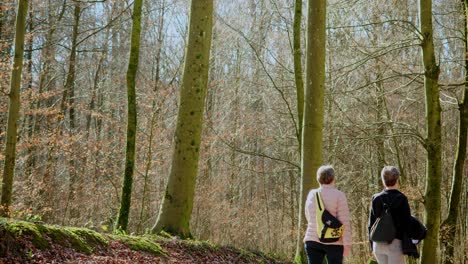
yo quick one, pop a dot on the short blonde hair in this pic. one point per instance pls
(325, 174)
(390, 175)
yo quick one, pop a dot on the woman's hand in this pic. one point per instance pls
(346, 250)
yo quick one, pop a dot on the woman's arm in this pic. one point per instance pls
(344, 217)
(372, 218)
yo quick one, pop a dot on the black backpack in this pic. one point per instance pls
(383, 230)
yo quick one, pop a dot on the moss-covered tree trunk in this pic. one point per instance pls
(13, 109)
(312, 132)
(450, 223)
(433, 140)
(124, 211)
(299, 81)
(176, 208)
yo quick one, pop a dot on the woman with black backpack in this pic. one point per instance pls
(386, 240)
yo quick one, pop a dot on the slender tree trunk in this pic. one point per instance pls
(297, 56)
(400, 162)
(380, 142)
(13, 109)
(176, 209)
(124, 211)
(149, 158)
(450, 224)
(31, 150)
(433, 141)
(155, 115)
(312, 132)
(94, 93)
(298, 68)
(71, 76)
(69, 96)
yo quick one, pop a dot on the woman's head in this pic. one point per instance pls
(325, 174)
(390, 175)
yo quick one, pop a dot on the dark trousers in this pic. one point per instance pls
(316, 252)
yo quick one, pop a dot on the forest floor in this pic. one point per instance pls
(28, 242)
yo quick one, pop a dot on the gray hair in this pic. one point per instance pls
(390, 175)
(325, 174)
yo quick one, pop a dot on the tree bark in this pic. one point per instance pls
(298, 68)
(69, 96)
(176, 209)
(31, 150)
(13, 109)
(450, 224)
(124, 211)
(433, 140)
(312, 132)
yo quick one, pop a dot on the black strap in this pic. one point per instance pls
(318, 201)
(387, 205)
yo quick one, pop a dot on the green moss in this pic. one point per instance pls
(200, 246)
(90, 237)
(22, 228)
(66, 238)
(88, 241)
(164, 234)
(141, 243)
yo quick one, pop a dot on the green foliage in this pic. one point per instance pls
(298, 259)
(119, 232)
(33, 218)
(26, 215)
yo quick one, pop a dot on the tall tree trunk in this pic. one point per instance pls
(47, 83)
(298, 68)
(297, 56)
(433, 140)
(124, 211)
(69, 96)
(174, 216)
(450, 224)
(13, 109)
(154, 117)
(31, 153)
(312, 132)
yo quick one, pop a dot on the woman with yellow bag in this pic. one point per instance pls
(328, 231)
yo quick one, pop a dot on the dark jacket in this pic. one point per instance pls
(408, 247)
(399, 208)
(417, 231)
(400, 211)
